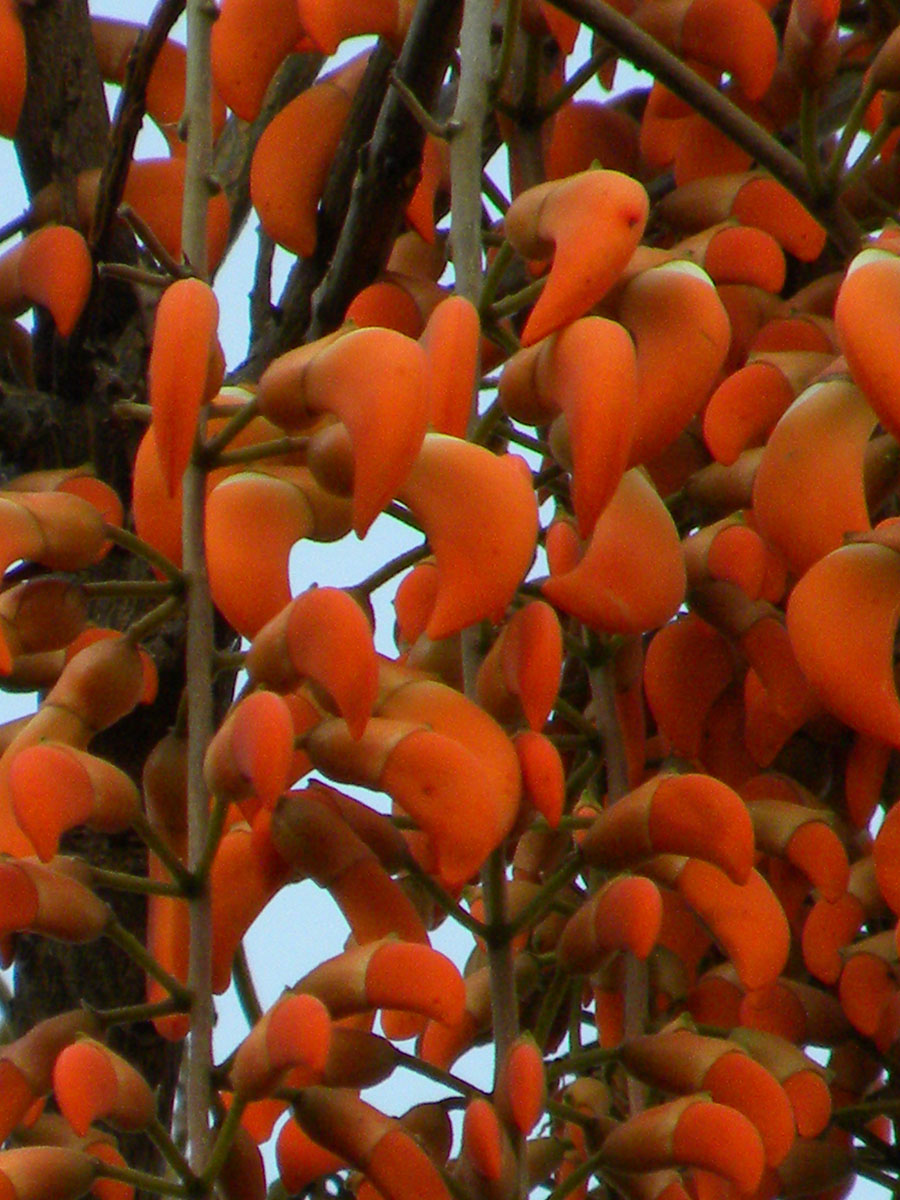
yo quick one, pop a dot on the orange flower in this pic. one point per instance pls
(593, 222)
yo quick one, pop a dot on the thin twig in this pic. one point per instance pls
(390, 168)
(200, 640)
(128, 119)
(644, 52)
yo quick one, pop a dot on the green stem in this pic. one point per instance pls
(244, 987)
(576, 81)
(545, 898)
(875, 142)
(510, 29)
(128, 1014)
(215, 823)
(576, 719)
(200, 640)
(121, 881)
(493, 194)
(516, 301)
(503, 337)
(253, 454)
(126, 587)
(492, 279)
(852, 126)
(144, 626)
(565, 1112)
(526, 441)
(412, 1063)
(582, 1172)
(486, 423)
(140, 548)
(636, 985)
(224, 1141)
(553, 998)
(581, 1062)
(157, 845)
(399, 513)
(162, 1140)
(389, 570)
(142, 1180)
(580, 778)
(504, 1003)
(135, 949)
(809, 141)
(469, 115)
(448, 904)
(238, 421)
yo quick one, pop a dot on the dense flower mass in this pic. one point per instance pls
(633, 386)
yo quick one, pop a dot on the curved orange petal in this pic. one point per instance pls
(746, 919)
(295, 1032)
(681, 333)
(252, 751)
(589, 369)
(863, 312)
(828, 928)
(249, 41)
(32, 1172)
(484, 1145)
(588, 131)
(301, 1160)
(389, 974)
(686, 649)
(842, 617)
(521, 672)
(386, 303)
(246, 873)
(632, 575)
(690, 1132)
(803, 836)
(864, 776)
(439, 782)
(817, 450)
(323, 636)
(675, 814)
(249, 579)
(479, 513)
(318, 843)
(13, 68)
(684, 1061)
(293, 157)
(42, 900)
(187, 317)
(55, 270)
(593, 221)
(330, 22)
(451, 340)
(746, 406)
(626, 914)
(91, 1081)
(397, 1165)
(736, 36)
(55, 788)
(114, 41)
(521, 1089)
(543, 775)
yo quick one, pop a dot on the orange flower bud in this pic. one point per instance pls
(90, 1081)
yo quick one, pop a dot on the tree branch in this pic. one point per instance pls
(644, 52)
(128, 119)
(390, 168)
